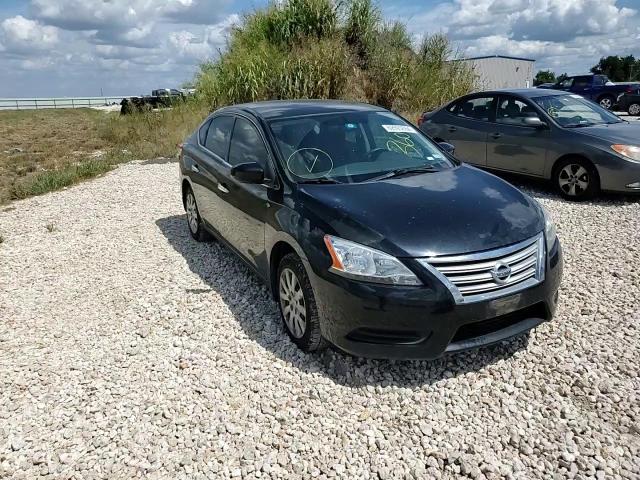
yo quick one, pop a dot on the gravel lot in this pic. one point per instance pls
(127, 349)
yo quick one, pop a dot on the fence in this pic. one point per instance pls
(62, 102)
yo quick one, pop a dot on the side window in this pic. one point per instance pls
(598, 81)
(512, 111)
(202, 133)
(566, 83)
(218, 135)
(247, 145)
(478, 108)
(581, 82)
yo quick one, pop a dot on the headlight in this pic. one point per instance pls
(550, 232)
(632, 152)
(363, 263)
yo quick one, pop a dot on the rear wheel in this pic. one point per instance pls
(606, 102)
(576, 179)
(194, 221)
(298, 305)
(634, 109)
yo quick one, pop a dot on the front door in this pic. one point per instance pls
(247, 205)
(512, 145)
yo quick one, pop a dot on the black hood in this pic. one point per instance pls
(454, 211)
(626, 133)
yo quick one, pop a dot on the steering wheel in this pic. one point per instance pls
(373, 154)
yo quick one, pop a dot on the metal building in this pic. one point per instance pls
(498, 71)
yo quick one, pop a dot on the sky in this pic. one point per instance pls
(129, 47)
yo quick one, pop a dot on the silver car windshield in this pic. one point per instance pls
(574, 111)
(353, 147)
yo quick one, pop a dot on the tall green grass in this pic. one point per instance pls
(323, 49)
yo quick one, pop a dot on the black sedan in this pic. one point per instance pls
(581, 147)
(370, 236)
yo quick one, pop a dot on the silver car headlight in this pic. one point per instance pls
(363, 263)
(632, 152)
(550, 231)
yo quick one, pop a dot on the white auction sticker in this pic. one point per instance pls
(399, 129)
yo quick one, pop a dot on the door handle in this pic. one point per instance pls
(452, 129)
(222, 188)
(495, 136)
(194, 168)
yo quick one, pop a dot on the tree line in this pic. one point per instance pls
(617, 68)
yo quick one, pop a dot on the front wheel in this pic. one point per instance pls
(634, 109)
(298, 305)
(606, 102)
(576, 179)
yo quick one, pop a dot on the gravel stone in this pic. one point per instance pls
(129, 350)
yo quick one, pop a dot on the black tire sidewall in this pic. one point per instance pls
(312, 339)
(594, 179)
(200, 234)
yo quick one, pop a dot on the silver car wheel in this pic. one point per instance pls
(573, 179)
(634, 109)
(606, 103)
(192, 213)
(292, 303)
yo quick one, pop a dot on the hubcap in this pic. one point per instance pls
(634, 109)
(605, 103)
(292, 303)
(192, 213)
(573, 179)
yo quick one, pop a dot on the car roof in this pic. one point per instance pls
(525, 92)
(277, 109)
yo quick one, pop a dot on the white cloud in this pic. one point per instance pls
(566, 34)
(19, 35)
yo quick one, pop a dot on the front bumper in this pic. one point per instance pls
(619, 175)
(378, 321)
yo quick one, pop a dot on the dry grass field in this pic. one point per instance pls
(45, 150)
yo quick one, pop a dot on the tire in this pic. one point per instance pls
(634, 109)
(296, 298)
(606, 101)
(194, 221)
(576, 179)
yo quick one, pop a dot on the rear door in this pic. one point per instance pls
(466, 124)
(209, 169)
(511, 144)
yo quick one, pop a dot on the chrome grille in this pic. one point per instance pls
(481, 276)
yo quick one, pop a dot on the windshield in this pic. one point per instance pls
(574, 111)
(353, 147)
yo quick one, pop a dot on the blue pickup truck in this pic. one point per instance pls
(597, 88)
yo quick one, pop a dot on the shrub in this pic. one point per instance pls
(320, 49)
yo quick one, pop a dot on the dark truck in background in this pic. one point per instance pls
(160, 98)
(597, 88)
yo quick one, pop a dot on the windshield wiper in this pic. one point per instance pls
(404, 171)
(320, 180)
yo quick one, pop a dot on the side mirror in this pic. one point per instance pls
(534, 122)
(250, 172)
(447, 147)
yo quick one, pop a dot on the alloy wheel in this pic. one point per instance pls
(573, 179)
(634, 109)
(292, 303)
(606, 103)
(192, 213)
